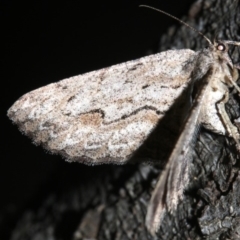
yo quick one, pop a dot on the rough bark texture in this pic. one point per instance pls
(113, 204)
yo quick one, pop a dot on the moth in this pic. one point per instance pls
(105, 116)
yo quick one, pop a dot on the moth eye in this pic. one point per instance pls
(221, 47)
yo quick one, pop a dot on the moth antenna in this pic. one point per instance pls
(179, 20)
(232, 42)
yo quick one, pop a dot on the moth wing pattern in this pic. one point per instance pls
(105, 115)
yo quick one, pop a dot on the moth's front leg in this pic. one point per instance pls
(231, 129)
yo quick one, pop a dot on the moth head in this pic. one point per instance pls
(220, 46)
(220, 50)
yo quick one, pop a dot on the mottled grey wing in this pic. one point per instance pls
(170, 186)
(103, 116)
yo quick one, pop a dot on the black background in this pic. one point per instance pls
(46, 41)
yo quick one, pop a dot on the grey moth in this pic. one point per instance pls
(105, 116)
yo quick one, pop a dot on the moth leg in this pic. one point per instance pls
(237, 66)
(234, 78)
(231, 129)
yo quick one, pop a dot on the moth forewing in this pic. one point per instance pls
(170, 187)
(104, 116)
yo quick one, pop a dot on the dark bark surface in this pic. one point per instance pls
(110, 202)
